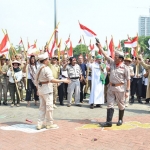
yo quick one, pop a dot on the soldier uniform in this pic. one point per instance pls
(3, 83)
(116, 90)
(45, 90)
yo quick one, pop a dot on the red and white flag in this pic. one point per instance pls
(68, 40)
(111, 48)
(5, 45)
(132, 43)
(21, 43)
(87, 31)
(32, 49)
(70, 51)
(52, 51)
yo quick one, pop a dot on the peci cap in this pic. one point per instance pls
(43, 56)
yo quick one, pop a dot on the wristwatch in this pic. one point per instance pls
(127, 90)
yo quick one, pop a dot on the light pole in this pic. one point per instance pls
(55, 20)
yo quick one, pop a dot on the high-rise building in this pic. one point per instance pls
(144, 25)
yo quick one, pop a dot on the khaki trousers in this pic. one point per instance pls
(113, 96)
(74, 86)
(3, 86)
(46, 109)
(55, 92)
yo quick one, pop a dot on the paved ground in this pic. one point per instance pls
(78, 129)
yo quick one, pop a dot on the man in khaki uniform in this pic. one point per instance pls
(127, 62)
(43, 82)
(117, 91)
(3, 79)
(56, 73)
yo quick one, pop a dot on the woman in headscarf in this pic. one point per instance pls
(31, 69)
(14, 79)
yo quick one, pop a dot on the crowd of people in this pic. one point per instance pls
(105, 79)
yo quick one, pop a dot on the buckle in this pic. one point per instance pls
(112, 84)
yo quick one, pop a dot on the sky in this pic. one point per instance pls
(34, 19)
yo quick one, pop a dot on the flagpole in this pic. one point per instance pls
(81, 44)
(59, 51)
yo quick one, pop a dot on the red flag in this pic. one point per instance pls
(91, 47)
(87, 31)
(111, 47)
(32, 49)
(67, 41)
(58, 45)
(54, 47)
(5, 45)
(20, 42)
(70, 52)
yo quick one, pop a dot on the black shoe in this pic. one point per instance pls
(132, 99)
(99, 105)
(140, 101)
(108, 123)
(92, 106)
(4, 103)
(79, 105)
(121, 114)
(84, 96)
(62, 104)
(0, 103)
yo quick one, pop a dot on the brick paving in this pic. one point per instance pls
(71, 135)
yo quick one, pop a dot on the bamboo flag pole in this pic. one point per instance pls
(59, 51)
(81, 43)
(52, 35)
(13, 74)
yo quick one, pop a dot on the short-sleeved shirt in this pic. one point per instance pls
(73, 71)
(118, 75)
(44, 76)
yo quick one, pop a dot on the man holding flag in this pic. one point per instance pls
(117, 91)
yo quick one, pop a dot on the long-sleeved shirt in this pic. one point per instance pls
(18, 76)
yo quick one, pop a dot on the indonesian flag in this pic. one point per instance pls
(52, 51)
(68, 40)
(21, 43)
(132, 43)
(87, 31)
(32, 49)
(5, 45)
(111, 48)
(70, 52)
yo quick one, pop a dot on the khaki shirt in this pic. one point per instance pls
(118, 75)
(44, 76)
(4, 68)
(55, 70)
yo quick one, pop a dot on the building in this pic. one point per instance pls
(144, 25)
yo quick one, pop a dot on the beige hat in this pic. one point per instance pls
(119, 53)
(16, 62)
(43, 56)
(128, 59)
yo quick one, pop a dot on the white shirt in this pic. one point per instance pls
(145, 79)
(34, 68)
(18, 76)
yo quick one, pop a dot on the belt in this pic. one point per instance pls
(45, 82)
(75, 78)
(118, 84)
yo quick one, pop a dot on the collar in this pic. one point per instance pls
(117, 65)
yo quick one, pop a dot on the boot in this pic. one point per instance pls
(139, 100)
(108, 122)
(132, 99)
(121, 113)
